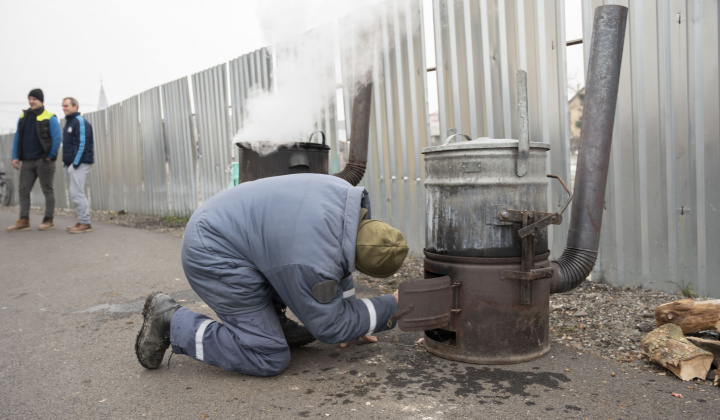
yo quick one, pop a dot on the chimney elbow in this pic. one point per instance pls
(572, 269)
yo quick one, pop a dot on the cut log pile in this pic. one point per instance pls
(678, 343)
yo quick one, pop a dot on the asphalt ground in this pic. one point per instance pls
(70, 309)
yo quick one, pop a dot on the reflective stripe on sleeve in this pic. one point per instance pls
(373, 315)
(349, 293)
(81, 146)
(199, 351)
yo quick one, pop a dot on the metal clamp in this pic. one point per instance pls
(548, 220)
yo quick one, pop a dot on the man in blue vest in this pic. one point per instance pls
(35, 147)
(292, 240)
(77, 160)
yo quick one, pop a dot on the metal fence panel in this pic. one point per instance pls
(479, 45)
(399, 118)
(661, 230)
(249, 72)
(99, 174)
(182, 173)
(116, 183)
(126, 157)
(6, 144)
(213, 126)
(153, 154)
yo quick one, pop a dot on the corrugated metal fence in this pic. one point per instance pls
(155, 156)
(662, 223)
(479, 46)
(167, 149)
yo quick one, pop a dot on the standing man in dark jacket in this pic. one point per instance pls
(293, 240)
(77, 160)
(36, 143)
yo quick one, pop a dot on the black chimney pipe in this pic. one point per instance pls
(603, 77)
(359, 134)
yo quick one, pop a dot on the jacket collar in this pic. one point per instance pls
(35, 112)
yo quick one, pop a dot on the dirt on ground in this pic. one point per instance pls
(172, 225)
(595, 318)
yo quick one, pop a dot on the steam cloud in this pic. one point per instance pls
(305, 40)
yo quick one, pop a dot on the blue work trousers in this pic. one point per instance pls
(251, 344)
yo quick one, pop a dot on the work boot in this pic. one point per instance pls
(46, 224)
(22, 223)
(80, 228)
(70, 227)
(154, 336)
(296, 335)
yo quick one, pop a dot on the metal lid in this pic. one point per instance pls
(265, 146)
(271, 145)
(479, 143)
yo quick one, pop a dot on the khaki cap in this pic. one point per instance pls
(380, 249)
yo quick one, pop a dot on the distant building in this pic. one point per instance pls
(434, 121)
(575, 106)
(102, 102)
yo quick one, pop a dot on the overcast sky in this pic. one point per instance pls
(67, 47)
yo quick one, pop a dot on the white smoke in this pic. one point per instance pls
(305, 35)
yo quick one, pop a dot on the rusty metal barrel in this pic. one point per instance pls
(293, 158)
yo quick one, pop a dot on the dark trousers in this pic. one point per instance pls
(30, 170)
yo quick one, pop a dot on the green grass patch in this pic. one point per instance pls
(175, 219)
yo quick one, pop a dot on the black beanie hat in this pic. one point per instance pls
(37, 94)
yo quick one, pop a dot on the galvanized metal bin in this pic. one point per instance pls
(467, 183)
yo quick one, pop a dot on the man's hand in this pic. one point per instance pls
(15, 163)
(368, 338)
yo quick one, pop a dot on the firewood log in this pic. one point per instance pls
(690, 314)
(668, 347)
(713, 346)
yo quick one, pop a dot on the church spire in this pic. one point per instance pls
(102, 102)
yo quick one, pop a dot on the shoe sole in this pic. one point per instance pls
(51, 227)
(17, 230)
(146, 309)
(80, 231)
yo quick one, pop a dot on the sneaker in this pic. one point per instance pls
(296, 335)
(22, 223)
(70, 227)
(46, 224)
(80, 228)
(154, 336)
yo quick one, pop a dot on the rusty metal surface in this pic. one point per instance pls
(544, 221)
(292, 159)
(493, 326)
(425, 304)
(357, 159)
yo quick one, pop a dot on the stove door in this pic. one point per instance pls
(425, 304)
